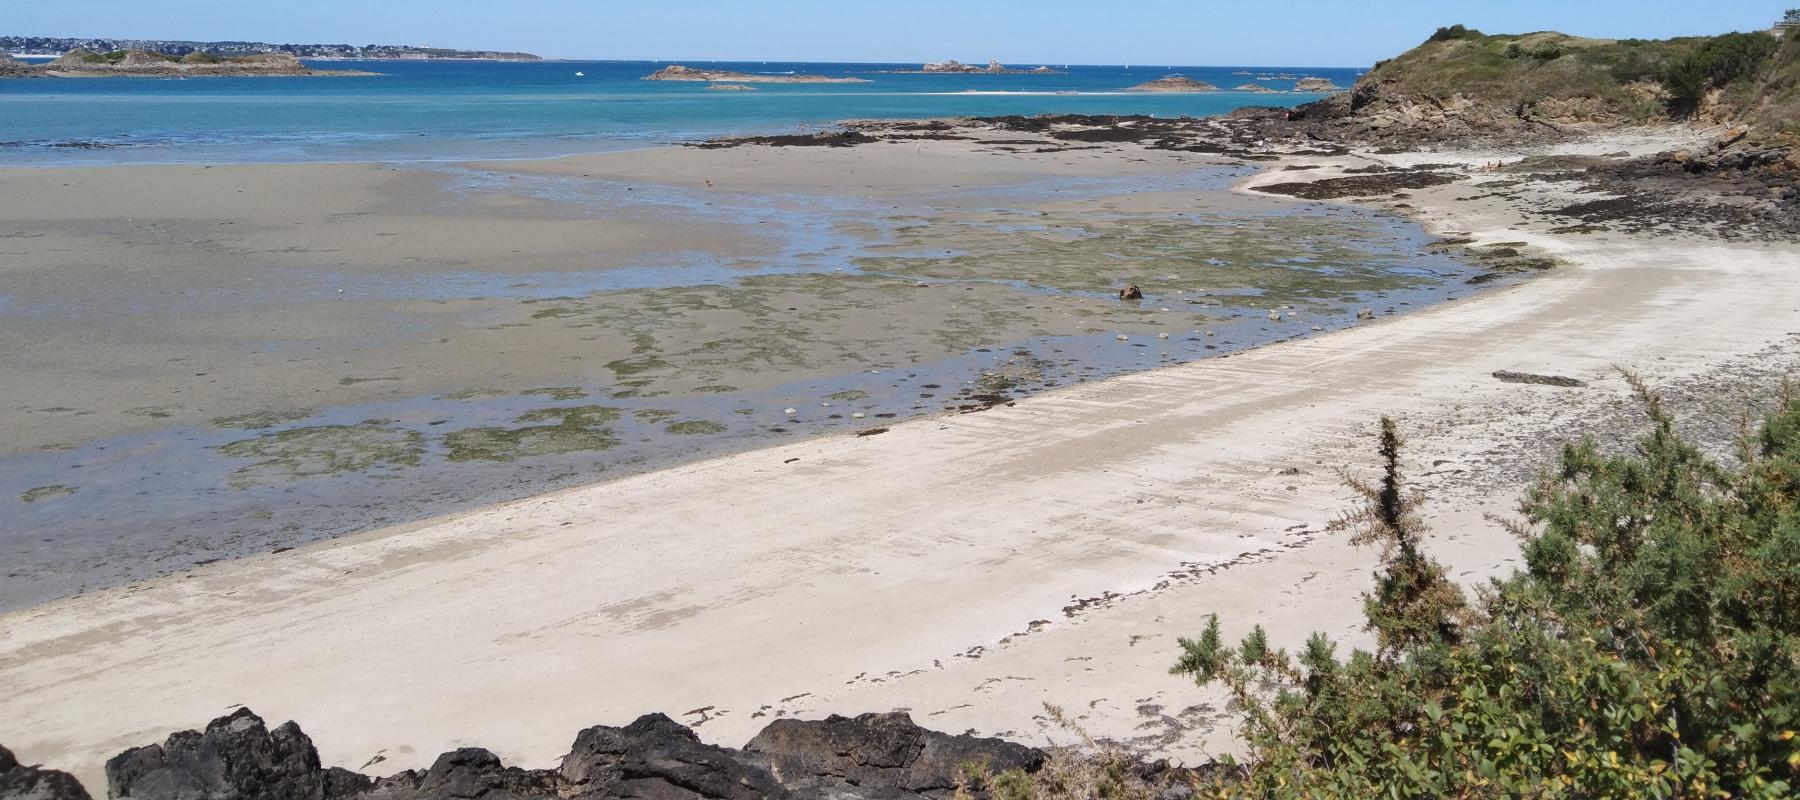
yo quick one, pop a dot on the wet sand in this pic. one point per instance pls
(965, 567)
(215, 362)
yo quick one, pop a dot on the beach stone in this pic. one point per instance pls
(656, 757)
(20, 782)
(469, 772)
(1365, 314)
(881, 752)
(1131, 292)
(236, 757)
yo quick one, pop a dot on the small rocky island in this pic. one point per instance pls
(1174, 84)
(954, 67)
(1256, 88)
(11, 67)
(1317, 86)
(677, 72)
(145, 63)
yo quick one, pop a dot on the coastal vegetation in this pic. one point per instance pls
(1650, 647)
(1556, 77)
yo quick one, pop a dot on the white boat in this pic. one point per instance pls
(580, 74)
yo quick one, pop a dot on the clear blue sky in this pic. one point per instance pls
(1194, 32)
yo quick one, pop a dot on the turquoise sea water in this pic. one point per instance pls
(449, 110)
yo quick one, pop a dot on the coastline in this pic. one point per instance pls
(319, 361)
(1048, 551)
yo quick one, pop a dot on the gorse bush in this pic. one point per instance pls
(1715, 65)
(1650, 647)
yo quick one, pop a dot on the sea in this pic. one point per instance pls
(459, 110)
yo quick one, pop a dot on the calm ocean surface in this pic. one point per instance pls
(458, 110)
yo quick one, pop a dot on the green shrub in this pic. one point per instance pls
(1542, 51)
(1454, 33)
(1650, 647)
(1715, 65)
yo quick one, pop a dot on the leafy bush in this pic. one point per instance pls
(1454, 33)
(1650, 647)
(1715, 65)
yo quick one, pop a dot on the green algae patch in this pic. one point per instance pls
(299, 453)
(45, 493)
(654, 415)
(258, 420)
(476, 394)
(571, 430)
(1280, 258)
(561, 394)
(694, 427)
(848, 395)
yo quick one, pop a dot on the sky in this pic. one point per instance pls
(1316, 33)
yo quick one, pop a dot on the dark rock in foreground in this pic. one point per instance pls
(20, 782)
(237, 757)
(881, 751)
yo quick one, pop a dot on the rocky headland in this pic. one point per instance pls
(10, 66)
(144, 63)
(1174, 84)
(1462, 89)
(678, 72)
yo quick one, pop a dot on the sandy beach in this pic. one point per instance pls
(965, 567)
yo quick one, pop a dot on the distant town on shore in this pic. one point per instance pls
(56, 46)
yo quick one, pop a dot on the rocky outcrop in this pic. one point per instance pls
(658, 757)
(21, 782)
(886, 753)
(1254, 87)
(12, 67)
(954, 67)
(871, 757)
(678, 72)
(235, 757)
(1174, 84)
(1316, 86)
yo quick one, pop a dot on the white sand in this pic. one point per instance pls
(857, 574)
